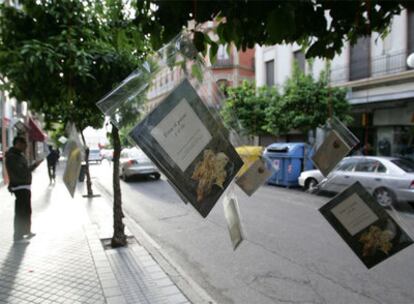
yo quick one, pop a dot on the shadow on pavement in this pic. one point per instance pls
(141, 178)
(10, 268)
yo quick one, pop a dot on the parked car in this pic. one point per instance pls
(95, 155)
(310, 179)
(388, 179)
(107, 154)
(134, 162)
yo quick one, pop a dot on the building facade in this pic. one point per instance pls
(16, 119)
(232, 66)
(230, 69)
(380, 85)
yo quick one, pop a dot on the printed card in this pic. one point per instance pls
(331, 152)
(255, 176)
(365, 226)
(188, 144)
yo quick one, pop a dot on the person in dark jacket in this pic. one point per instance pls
(20, 176)
(52, 158)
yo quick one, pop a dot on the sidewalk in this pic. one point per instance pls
(66, 261)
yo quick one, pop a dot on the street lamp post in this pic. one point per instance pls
(410, 60)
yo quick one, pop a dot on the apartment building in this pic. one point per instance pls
(230, 69)
(16, 119)
(380, 85)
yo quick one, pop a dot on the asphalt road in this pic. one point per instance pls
(290, 255)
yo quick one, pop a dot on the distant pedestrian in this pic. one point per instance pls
(20, 175)
(52, 159)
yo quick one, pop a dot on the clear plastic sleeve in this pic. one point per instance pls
(74, 154)
(339, 141)
(233, 219)
(365, 226)
(72, 136)
(170, 106)
(330, 156)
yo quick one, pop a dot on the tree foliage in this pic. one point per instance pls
(302, 103)
(321, 25)
(62, 56)
(245, 111)
(305, 104)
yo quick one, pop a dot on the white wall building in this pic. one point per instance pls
(380, 85)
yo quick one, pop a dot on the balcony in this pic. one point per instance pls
(384, 65)
(223, 63)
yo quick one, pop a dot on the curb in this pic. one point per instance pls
(184, 282)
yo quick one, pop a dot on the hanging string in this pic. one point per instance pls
(330, 107)
(195, 10)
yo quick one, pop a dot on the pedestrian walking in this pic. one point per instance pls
(20, 176)
(52, 159)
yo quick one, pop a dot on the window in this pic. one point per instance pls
(299, 58)
(370, 166)
(405, 164)
(365, 166)
(222, 52)
(410, 32)
(360, 59)
(346, 165)
(270, 72)
(381, 168)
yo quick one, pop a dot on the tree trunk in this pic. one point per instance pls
(119, 237)
(88, 175)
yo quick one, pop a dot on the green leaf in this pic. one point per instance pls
(196, 71)
(213, 52)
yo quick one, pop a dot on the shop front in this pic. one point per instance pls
(385, 128)
(37, 138)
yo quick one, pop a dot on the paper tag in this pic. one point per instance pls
(231, 213)
(255, 176)
(330, 153)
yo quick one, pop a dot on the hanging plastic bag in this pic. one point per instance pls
(365, 226)
(232, 215)
(337, 144)
(74, 154)
(169, 106)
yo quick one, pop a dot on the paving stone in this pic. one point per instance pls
(66, 263)
(116, 300)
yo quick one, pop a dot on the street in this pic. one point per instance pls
(290, 254)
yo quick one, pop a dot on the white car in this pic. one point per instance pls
(107, 154)
(388, 179)
(134, 162)
(95, 156)
(310, 179)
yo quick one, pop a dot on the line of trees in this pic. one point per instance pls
(62, 56)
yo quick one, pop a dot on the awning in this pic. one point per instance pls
(376, 98)
(35, 132)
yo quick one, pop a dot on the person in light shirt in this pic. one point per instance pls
(20, 176)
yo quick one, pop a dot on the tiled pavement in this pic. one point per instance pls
(66, 262)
